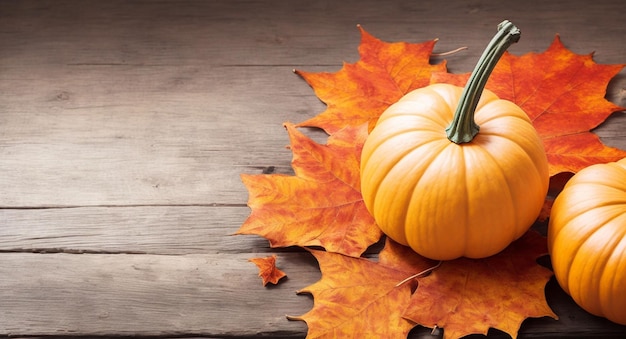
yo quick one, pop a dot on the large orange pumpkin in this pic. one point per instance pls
(587, 239)
(435, 181)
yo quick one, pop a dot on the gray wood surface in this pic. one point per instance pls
(124, 127)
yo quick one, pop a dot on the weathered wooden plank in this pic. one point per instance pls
(305, 33)
(139, 229)
(119, 294)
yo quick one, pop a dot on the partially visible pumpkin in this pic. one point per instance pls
(468, 192)
(587, 239)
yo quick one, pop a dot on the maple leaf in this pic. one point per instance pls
(267, 269)
(467, 296)
(564, 95)
(360, 92)
(322, 204)
(360, 298)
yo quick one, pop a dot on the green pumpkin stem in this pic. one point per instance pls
(463, 127)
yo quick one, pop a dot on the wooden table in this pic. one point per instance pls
(124, 127)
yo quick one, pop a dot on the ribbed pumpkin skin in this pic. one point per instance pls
(448, 200)
(587, 239)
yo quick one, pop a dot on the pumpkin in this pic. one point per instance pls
(587, 239)
(453, 171)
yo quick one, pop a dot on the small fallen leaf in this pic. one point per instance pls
(466, 296)
(267, 269)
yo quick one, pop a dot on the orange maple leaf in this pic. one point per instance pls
(322, 204)
(267, 269)
(360, 92)
(360, 298)
(563, 94)
(466, 296)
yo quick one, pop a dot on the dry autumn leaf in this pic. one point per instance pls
(360, 92)
(467, 296)
(322, 204)
(563, 94)
(267, 269)
(360, 298)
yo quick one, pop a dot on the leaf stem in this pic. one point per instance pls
(454, 51)
(417, 275)
(463, 127)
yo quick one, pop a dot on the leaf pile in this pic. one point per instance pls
(321, 205)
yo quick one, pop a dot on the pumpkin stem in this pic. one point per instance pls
(463, 127)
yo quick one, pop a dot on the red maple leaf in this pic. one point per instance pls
(466, 296)
(563, 94)
(360, 92)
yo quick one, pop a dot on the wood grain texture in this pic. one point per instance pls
(166, 230)
(154, 295)
(124, 127)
